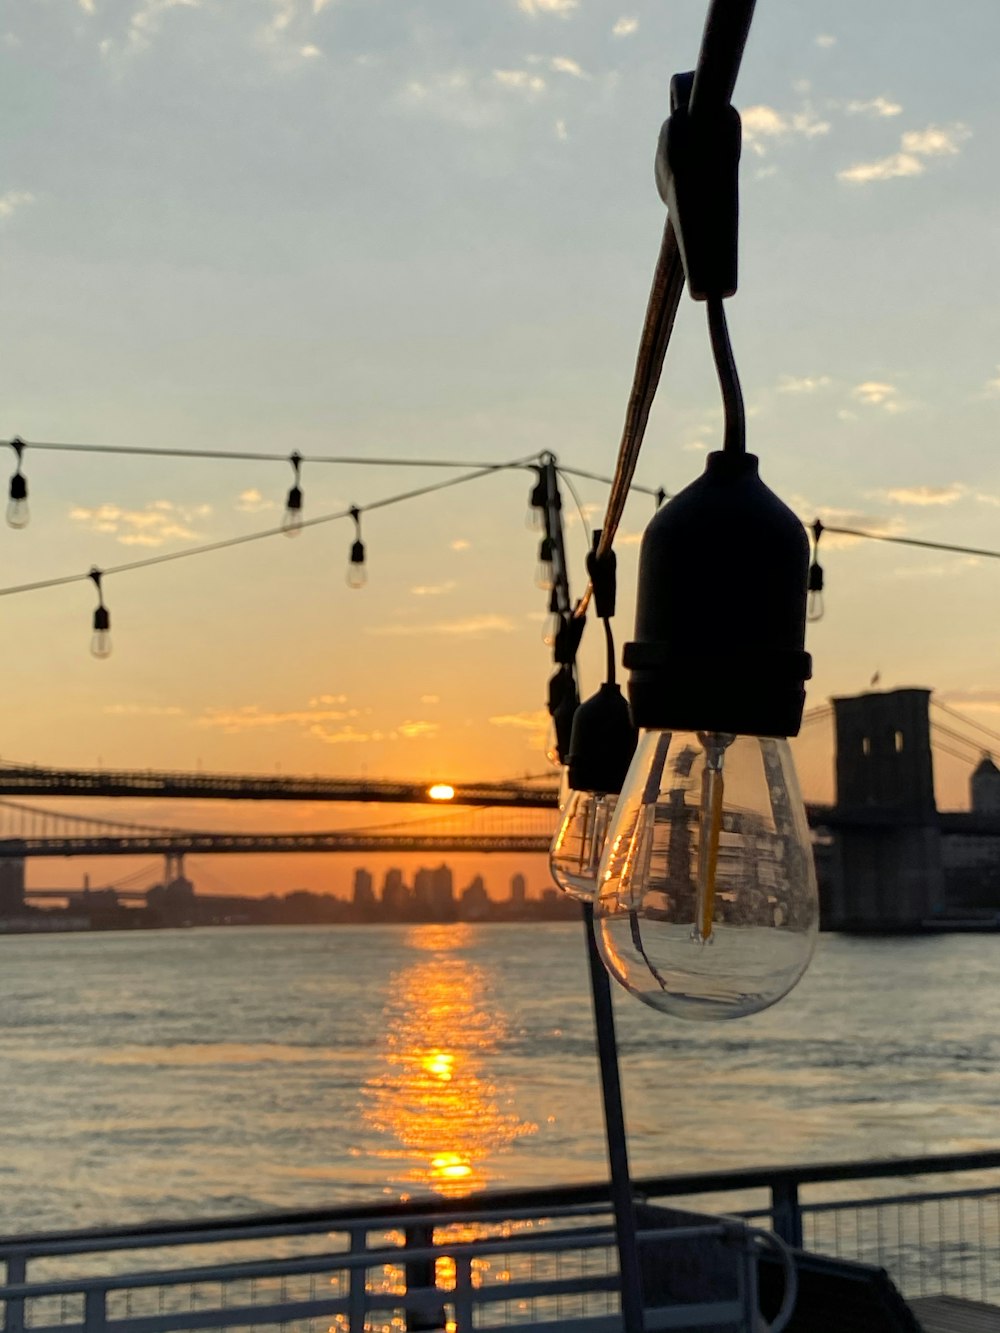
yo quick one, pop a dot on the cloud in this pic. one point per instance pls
(875, 106)
(520, 80)
(914, 147)
(878, 524)
(625, 27)
(252, 717)
(764, 125)
(471, 626)
(252, 502)
(926, 495)
(562, 134)
(826, 40)
(88, 6)
(993, 386)
(143, 710)
(804, 384)
(351, 735)
(147, 21)
(460, 544)
(566, 65)
(536, 7)
(411, 731)
(432, 589)
(983, 699)
(12, 201)
(319, 699)
(159, 522)
(875, 394)
(536, 721)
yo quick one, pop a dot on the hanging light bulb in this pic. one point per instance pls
(100, 642)
(815, 607)
(544, 573)
(17, 505)
(291, 520)
(357, 572)
(602, 743)
(564, 699)
(537, 501)
(707, 902)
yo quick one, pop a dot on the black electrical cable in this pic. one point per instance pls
(913, 541)
(735, 436)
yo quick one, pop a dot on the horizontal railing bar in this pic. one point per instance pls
(534, 1202)
(887, 1200)
(550, 1242)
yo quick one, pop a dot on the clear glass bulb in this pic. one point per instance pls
(291, 519)
(575, 854)
(357, 574)
(544, 575)
(17, 505)
(707, 900)
(100, 643)
(814, 606)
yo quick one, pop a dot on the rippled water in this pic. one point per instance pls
(176, 1073)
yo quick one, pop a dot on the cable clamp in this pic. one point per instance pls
(697, 175)
(602, 571)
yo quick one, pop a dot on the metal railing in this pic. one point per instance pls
(531, 1259)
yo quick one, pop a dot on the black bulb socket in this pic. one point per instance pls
(602, 742)
(721, 609)
(102, 619)
(18, 487)
(294, 501)
(358, 553)
(815, 577)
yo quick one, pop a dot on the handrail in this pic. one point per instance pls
(486, 1206)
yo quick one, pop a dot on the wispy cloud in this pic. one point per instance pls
(252, 717)
(12, 201)
(764, 126)
(563, 8)
(625, 27)
(161, 521)
(535, 722)
(926, 495)
(993, 386)
(471, 626)
(352, 735)
(875, 106)
(143, 710)
(826, 40)
(320, 699)
(430, 698)
(146, 24)
(803, 383)
(566, 65)
(519, 80)
(874, 393)
(881, 525)
(252, 502)
(915, 146)
(432, 589)
(460, 544)
(562, 133)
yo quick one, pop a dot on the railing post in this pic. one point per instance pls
(786, 1215)
(17, 1270)
(357, 1284)
(421, 1273)
(95, 1310)
(463, 1293)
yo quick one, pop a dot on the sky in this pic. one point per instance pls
(427, 230)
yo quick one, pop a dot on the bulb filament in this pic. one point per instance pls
(712, 791)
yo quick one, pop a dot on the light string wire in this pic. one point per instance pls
(245, 538)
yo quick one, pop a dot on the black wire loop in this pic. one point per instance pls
(735, 437)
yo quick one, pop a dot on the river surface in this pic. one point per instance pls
(176, 1073)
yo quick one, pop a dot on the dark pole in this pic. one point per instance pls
(630, 1273)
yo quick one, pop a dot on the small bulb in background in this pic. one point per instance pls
(357, 571)
(291, 519)
(18, 513)
(707, 903)
(100, 641)
(544, 573)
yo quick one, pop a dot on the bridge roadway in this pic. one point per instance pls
(204, 844)
(25, 780)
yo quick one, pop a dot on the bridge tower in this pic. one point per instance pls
(11, 885)
(887, 866)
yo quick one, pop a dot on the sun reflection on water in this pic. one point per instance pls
(436, 1100)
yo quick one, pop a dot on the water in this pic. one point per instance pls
(181, 1073)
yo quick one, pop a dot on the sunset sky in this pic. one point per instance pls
(427, 230)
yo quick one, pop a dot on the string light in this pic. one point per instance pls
(814, 605)
(291, 523)
(543, 572)
(100, 642)
(538, 500)
(357, 573)
(17, 504)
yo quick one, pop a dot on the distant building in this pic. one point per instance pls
(985, 787)
(518, 890)
(395, 894)
(434, 892)
(475, 903)
(363, 897)
(11, 885)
